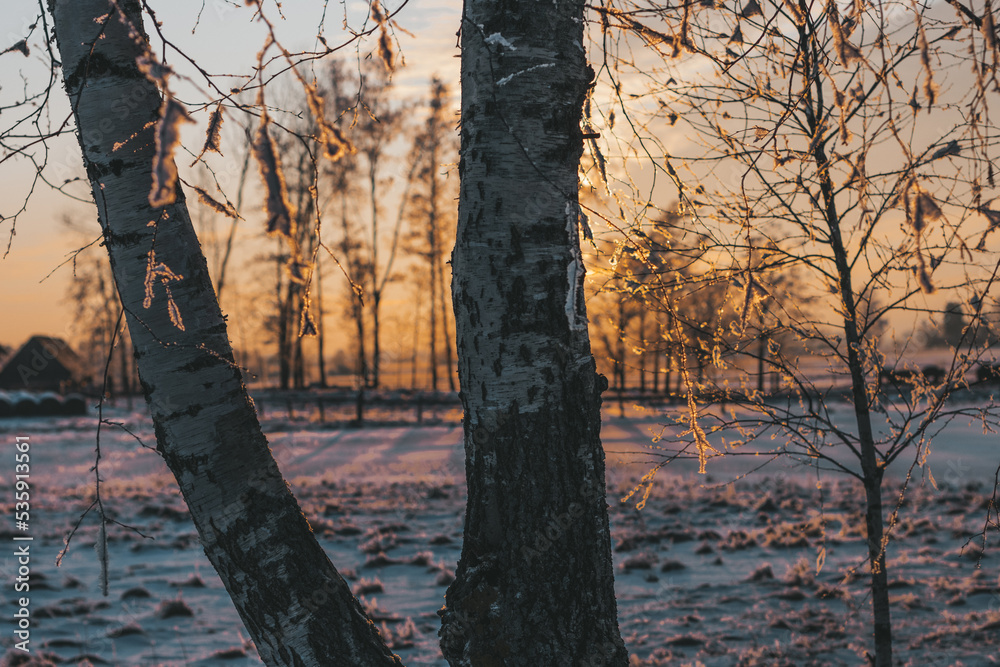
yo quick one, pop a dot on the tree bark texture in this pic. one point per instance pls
(296, 606)
(535, 583)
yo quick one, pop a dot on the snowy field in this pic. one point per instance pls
(707, 573)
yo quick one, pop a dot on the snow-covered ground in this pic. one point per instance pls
(709, 572)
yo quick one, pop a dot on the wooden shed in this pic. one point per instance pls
(44, 363)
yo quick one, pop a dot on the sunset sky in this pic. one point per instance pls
(226, 42)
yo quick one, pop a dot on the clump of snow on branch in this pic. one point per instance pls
(168, 136)
(335, 144)
(21, 47)
(921, 209)
(930, 88)
(700, 439)
(280, 214)
(384, 41)
(497, 38)
(753, 294)
(213, 135)
(153, 69)
(307, 324)
(575, 270)
(846, 52)
(163, 191)
(751, 9)
(994, 222)
(217, 206)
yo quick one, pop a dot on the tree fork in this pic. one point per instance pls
(294, 603)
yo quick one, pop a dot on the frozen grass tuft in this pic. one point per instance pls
(368, 586)
(173, 608)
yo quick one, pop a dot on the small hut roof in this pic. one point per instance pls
(42, 363)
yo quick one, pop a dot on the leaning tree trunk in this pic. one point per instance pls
(296, 606)
(535, 583)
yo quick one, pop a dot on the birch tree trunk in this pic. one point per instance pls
(535, 583)
(294, 603)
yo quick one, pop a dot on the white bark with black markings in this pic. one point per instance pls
(296, 607)
(535, 584)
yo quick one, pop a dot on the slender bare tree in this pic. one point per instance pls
(97, 311)
(378, 121)
(828, 143)
(343, 177)
(431, 215)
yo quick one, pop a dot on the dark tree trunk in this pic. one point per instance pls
(361, 363)
(872, 469)
(434, 329)
(621, 342)
(449, 362)
(416, 343)
(761, 362)
(376, 347)
(295, 605)
(284, 335)
(298, 362)
(668, 367)
(356, 269)
(433, 252)
(376, 296)
(642, 350)
(657, 359)
(320, 329)
(535, 583)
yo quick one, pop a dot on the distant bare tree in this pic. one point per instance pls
(344, 177)
(378, 121)
(97, 313)
(431, 212)
(660, 299)
(295, 318)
